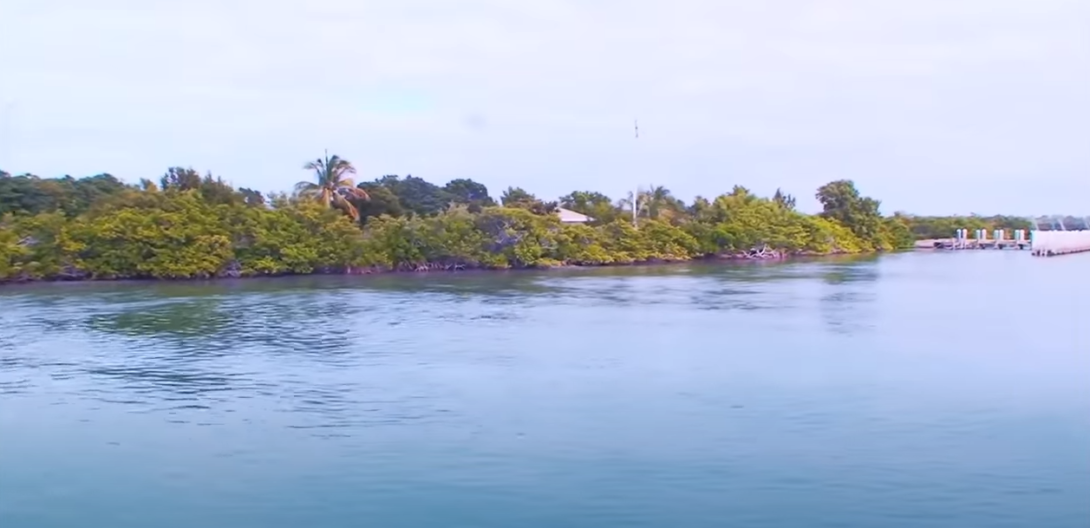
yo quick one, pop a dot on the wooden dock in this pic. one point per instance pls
(956, 244)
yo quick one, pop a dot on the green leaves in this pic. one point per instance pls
(30, 195)
(200, 227)
(843, 203)
(931, 227)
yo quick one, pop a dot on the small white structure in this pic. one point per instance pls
(1051, 243)
(567, 216)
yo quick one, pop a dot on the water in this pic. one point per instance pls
(917, 390)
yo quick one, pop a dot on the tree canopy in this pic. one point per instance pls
(190, 226)
(29, 194)
(333, 186)
(470, 193)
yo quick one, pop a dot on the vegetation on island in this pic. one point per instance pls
(191, 226)
(939, 227)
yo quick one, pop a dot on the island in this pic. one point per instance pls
(189, 226)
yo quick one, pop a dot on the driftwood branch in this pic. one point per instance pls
(764, 252)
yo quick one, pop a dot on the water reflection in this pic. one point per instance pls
(191, 346)
(848, 293)
(186, 319)
(308, 323)
(321, 317)
(842, 274)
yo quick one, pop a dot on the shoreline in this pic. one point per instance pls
(190, 227)
(473, 270)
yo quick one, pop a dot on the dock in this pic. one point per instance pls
(999, 239)
(1039, 243)
(959, 244)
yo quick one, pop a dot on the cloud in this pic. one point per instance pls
(925, 103)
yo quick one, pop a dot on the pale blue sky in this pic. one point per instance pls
(932, 106)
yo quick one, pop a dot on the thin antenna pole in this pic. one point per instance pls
(636, 192)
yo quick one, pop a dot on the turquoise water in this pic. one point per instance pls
(915, 390)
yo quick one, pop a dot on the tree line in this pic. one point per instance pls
(935, 227)
(188, 225)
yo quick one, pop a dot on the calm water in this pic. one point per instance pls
(922, 390)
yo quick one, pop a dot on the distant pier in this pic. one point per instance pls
(953, 243)
(999, 239)
(1039, 243)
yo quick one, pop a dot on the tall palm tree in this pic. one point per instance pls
(637, 201)
(335, 187)
(654, 203)
(660, 202)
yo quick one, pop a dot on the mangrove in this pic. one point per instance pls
(188, 226)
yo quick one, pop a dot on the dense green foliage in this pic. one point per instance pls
(32, 195)
(193, 226)
(934, 227)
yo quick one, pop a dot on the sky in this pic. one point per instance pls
(931, 106)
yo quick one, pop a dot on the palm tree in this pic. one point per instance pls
(656, 202)
(784, 200)
(334, 186)
(637, 201)
(660, 202)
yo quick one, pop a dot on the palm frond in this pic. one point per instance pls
(322, 170)
(305, 188)
(337, 168)
(333, 186)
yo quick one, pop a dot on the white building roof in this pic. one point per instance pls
(568, 216)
